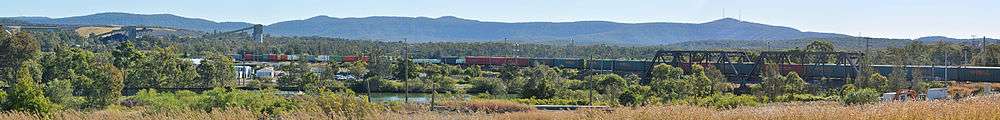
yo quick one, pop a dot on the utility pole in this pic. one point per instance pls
(368, 82)
(868, 45)
(947, 57)
(406, 71)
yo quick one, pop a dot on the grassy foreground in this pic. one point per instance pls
(973, 108)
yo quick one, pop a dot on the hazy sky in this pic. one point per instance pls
(875, 18)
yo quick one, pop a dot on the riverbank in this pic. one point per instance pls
(981, 107)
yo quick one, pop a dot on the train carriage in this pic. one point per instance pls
(632, 65)
(541, 61)
(565, 62)
(601, 64)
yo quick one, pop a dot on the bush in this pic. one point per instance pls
(531, 101)
(265, 101)
(487, 85)
(486, 106)
(800, 97)
(721, 101)
(166, 102)
(340, 104)
(860, 96)
(61, 93)
(26, 96)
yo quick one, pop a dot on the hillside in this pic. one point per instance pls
(164, 20)
(842, 43)
(453, 29)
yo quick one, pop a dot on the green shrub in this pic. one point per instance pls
(486, 106)
(721, 101)
(800, 97)
(166, 101)
(531, 101)
(860, 96)
(264, 101)
(61, 93)
(340, 104)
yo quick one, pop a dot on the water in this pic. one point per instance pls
(414, 97)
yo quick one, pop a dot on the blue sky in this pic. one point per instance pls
(874, 18)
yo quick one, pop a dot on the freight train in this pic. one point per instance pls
(287, 58)
(733, 70)
(639, 67)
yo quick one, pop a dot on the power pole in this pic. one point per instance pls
(868, 45)
(406, 71)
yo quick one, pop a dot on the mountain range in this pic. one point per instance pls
(454, 29)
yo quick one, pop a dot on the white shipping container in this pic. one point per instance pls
(427, 61)
(293, 57)
(323, 58)
(937, 93)
(888, 96)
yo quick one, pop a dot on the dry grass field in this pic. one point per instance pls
(86, 31)
(973, 108)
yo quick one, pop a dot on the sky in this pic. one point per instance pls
(870, 18)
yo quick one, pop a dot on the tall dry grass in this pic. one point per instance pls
(973, 108)
(976, 108)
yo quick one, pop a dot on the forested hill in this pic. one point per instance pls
(457, 29)
(165, 20)
(453, 29)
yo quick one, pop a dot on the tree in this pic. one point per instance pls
(126, 55)
(820, 46)
(296, 75)
(359, 69)
(61, 92)
(165, 68)
(608, 83)
(702, 84)
(668, 82)
(990, 56)
(794, 83)
(15, 49)
(217, 70)
(898, 79)
(875, 81)
(26, 96)
(131, 61)
(106, 87)
(540, 82)
(634, 93)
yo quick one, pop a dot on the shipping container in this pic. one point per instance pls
(293, 57)
(248, 57)
(237, 57)
(426, 61)
(334, 58)
(353, 58)
(283, 57)
(323, 58)
(272, 57)
(311, 58)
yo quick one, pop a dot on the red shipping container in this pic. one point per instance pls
(272, 57)
(248, 57)
(352, 58)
